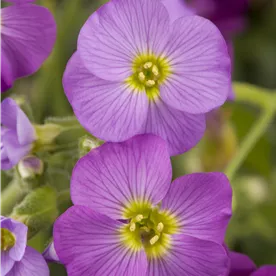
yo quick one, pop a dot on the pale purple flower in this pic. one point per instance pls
(28, 33)
(17, 134)
(136, 72)
(17, 258)
(128, 219)
(242, 265)
(50, 254)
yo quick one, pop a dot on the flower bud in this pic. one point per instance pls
(47, 133)
(88, 143)
(38, 210)
(29, 167)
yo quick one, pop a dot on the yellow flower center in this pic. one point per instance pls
(149, 229)
(149, 72)
(7, 239)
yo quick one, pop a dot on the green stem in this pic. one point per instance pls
(250, 141)
(11, 195)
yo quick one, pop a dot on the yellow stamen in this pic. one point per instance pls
(132, 226)
(154, 239)
(141, 76)
(155, 70)
(139, 217)
(147, 65)
(160, 227)
(150, 83)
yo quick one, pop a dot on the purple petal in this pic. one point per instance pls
(19, 1)
(6, 262)
(89, 243)
(111, 111)
(201, 203)
(241, 265)
(50, 254)
(6, 73)
(177, 9)
(28, 34)
(14, 152)
(190, 256)
(32, 264)
(199, 60)
(14, 118)
(115, 175)
(119, 31)
(180, 130)
(267, 270)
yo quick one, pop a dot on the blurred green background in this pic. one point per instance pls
(253, 226)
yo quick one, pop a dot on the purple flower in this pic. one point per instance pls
(241, 265)
(227, 15)
(135, 72)
(50, 254)
(128, 219)
(16, 257)
(28, 33)
(17, 134)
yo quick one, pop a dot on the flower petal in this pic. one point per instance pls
(181, 130)
(200, 65)
(6, 263)
(201, 203)
(111, 111)
(241, 265)
(50, 254)
(267, 270)
(13, 150)
(32, 264)
(190, 256)
(115, 175)
(20, 231)
(120, 30)
(88, 243)
(28, 34)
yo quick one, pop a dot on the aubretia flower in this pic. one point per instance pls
(28, 33)
(136, 72)
(241, 265)
(128, 219)
(17, 134)
(16, 257)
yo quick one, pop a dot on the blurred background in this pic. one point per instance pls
(253, 227)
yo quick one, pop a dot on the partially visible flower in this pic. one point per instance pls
(50, 254)
(28, 33)
(129, 220)
(30, 166)
(17, 134)
(241, 265)
(16, 257)
(136, 72)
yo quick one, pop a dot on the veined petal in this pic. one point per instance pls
(28, 33)
(32, 264)
(114, 35)
(115, 177)
(200, 66)
(6, 262)
(201, 203)
(240, 264)
(88, 243)
(267, 270)
(180, 130)
(111, 111)
(190, 256)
